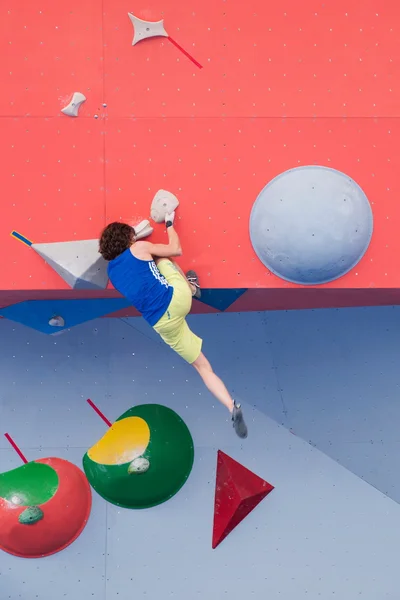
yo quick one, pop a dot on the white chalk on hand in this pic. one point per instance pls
(170, 217)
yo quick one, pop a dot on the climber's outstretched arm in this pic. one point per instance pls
(147, 250)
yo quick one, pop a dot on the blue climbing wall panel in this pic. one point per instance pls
(315, 385)
(37, 313)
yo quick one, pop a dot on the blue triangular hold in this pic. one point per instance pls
(221, 298)
(37, 313)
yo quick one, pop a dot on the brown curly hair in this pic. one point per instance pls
(115, 239)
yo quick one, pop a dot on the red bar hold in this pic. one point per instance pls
(14, 445)
(189, 56)
(92, 404)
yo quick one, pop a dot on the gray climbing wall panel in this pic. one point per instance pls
(321, 518)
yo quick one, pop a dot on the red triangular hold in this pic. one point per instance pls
(237, 492)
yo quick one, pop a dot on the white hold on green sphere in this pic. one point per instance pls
(139, 465)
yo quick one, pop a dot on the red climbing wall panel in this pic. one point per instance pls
(48, 50)
(281, 85)
(52, 170)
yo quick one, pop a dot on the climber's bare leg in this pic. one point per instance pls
(218, 389)
(213, 382)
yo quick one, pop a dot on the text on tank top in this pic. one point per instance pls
(142, 284)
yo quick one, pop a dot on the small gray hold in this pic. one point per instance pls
(57, 321)
(31, 515)
(72, 109)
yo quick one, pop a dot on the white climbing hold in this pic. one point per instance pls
(73, 107)
(57, 321)
(146, 29)
(143, 229)
(78, 263)
(139, 465)
(16, 500)
(163, 204)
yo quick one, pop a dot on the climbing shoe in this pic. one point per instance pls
(192, 278)
(238, 421)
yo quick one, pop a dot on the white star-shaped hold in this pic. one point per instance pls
(146, 29)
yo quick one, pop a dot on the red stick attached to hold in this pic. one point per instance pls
(92, 404)
(189, 56)
(14, 445)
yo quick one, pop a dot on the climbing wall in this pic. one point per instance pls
(270, 88)
(319, 518)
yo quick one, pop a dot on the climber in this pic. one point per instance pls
(159, 290)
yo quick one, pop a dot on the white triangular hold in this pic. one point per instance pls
(164, 203)
(78, 263)
(72, 109)
(146, 29)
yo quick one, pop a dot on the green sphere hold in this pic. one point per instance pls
(149, 440)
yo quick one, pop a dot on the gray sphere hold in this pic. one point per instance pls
(311, 225)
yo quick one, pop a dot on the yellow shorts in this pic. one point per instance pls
(172, 326)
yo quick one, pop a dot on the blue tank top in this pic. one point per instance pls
(141, 283)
